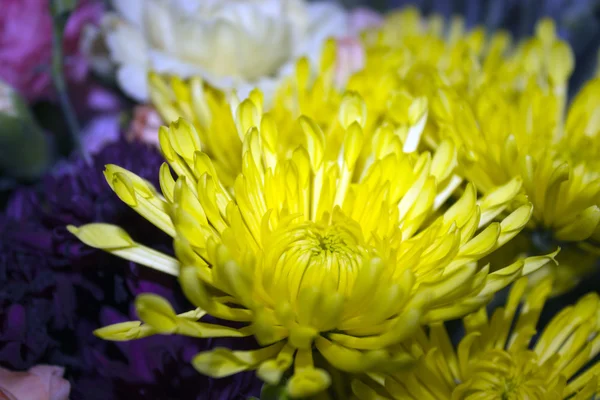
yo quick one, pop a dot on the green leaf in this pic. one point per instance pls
(25, 150)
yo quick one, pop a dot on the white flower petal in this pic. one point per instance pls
(166, 63)
(130, 10)
(125, 42)
(159, 25)
(230, 44)
(326, 20)
(133, 80)
(195, 48)
(190, 6)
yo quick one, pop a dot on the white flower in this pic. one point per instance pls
(232, 44)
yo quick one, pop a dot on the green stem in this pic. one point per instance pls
(60, 84)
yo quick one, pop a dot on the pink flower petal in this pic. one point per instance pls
(25, 54)
(42, 382)
(362, 18)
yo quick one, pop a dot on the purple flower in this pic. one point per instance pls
(75, 193)
(160, 367)
(56, 291)
(25, 300)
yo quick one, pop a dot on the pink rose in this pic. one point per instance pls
(42, 382)
(26, 45)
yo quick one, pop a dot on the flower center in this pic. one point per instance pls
(332, 246)
(317, 255)
(511, 376)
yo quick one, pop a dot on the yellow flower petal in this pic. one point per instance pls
(308, 382)
(222, 362)
(116, 241)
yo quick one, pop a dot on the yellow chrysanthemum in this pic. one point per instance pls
(503, 106)
(503, 138)
(516, 133)
(307, 92)
(509, 133)
(327, 263)
(420, 54)
(499, 358)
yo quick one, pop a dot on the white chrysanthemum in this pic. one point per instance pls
(232, 44)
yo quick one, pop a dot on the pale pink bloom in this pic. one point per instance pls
(351, 53)
(42, 382)
(350, 59)
(145, 124)
(26, 45)
(362, 18)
